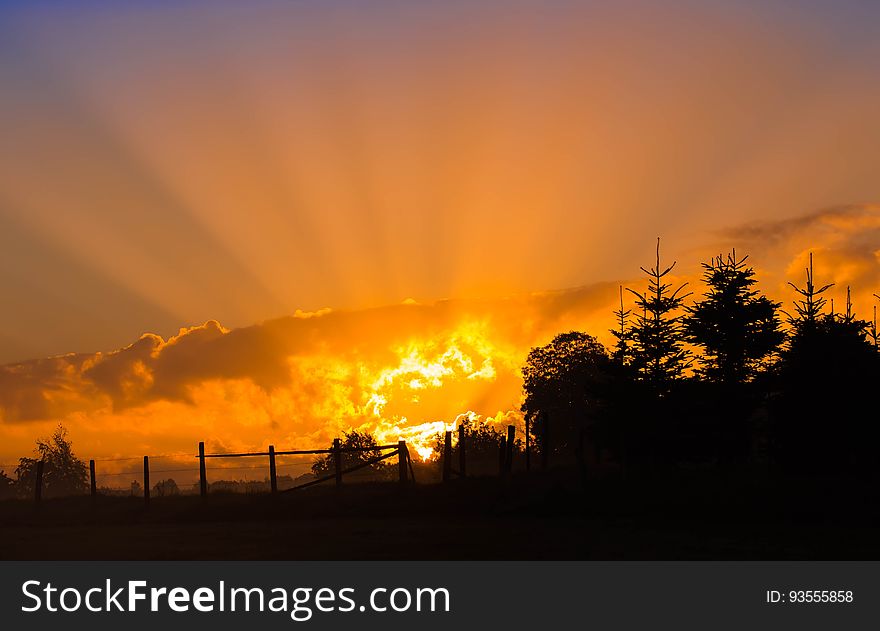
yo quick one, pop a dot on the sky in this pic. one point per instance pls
(274, 221)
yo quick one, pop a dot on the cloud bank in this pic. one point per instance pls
(400, 371)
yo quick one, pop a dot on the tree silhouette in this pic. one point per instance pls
(565, 384)
(809, 308)
(623, 333)
(63, 472)
(825, 383)
(364, 441)
(735, 326)
(658, 353)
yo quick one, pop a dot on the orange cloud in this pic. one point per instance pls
(402, 371)
(844, 240)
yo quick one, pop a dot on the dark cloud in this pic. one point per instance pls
(45, 388)
(775, 231)
(843, 240)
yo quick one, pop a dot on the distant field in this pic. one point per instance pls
(541, 516)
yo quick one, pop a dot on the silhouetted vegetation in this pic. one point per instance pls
(368, 450)
(658, 353)
(63, 472)
(737, 331)
(566, 386)
(718, 382)
(824, 389)
(735, 326)
(166, 488)
(482, 442)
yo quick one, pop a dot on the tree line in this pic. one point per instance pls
(729, 379)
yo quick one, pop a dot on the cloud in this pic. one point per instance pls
(46, 388)
(835, 221)
(400, 371)
(844, 241)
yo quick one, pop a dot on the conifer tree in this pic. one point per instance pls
(736, 327)
(809, 308)
(825, 382)
(623, 333)
(658, 352)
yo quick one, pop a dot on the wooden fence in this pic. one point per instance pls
(404, 466)
(404, 463)
(405, 472)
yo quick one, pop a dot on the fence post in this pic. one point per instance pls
(93, 483)
(447, 456)
(502, 455)
(461, 450)
(511, 439)
(273, 479)
(38, 483)
(401, 461)
(203, 478)
(337, 460)
(528, 446)
(146, 481)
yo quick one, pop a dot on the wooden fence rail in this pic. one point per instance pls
(404, 468)
(405, 472)
(404, 462)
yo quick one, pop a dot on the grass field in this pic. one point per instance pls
(540, 516)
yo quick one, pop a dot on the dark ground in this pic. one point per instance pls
(698, 515)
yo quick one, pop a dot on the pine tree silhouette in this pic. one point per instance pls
(809, 308)
(658, 353)
(825, 383)
(623, 334)
(736, 327)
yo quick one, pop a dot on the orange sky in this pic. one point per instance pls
(165, 167)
